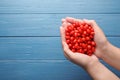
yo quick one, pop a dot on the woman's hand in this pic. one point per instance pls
(99, 38)
(104, 50)
(77, 58)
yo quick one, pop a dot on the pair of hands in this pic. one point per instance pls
(82, 59)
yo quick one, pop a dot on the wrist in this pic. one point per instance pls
(105, 46)
(107, 50)
(104, 49)
(92, 63)
(99, 72)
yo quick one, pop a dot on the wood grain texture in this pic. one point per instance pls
(43, 70)
(48, 24)
(30, 46)
(24, 48)
(59, 6)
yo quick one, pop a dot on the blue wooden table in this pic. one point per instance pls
(30, 47)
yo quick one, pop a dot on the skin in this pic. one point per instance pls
(104, 50)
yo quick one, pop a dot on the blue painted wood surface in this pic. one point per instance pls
(59, 6)
(30, 47)
(32, 24)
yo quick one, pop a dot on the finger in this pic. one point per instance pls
(62, 32)
(94, 57)
(73, 20)
(66, 56)
(94, 25)
(79, 20)
(70, 20)
(67, 51)
(63, 20)
(87, 21)
(91, 22)
(65, 24)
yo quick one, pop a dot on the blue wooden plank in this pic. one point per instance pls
(59, 6)
(43, 70)
(16, 48)
(48, 24)
(30, 48)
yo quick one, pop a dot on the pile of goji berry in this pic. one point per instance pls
(80, 38)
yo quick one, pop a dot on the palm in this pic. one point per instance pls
(82, 59)
(99, 37)
(77, 58)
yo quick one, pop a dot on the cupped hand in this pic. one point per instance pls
(99, 38)
(77, 58)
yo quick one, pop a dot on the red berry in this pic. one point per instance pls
(87, 38)
(67, 37)
(84, 32)
(76, 34)
(67, 34)
(75, 40)
(83, 39)
(93, 43)
(93, 49)
(73, 50)
(79, 40)
(89, 47)
(72, 32)
(71, 38)
(85, 50)
(68, 41)
(70, 45)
